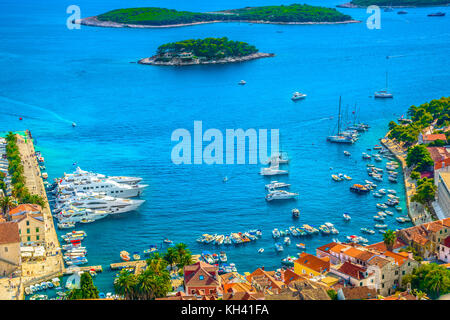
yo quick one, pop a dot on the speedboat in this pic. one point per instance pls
(295, 213)
(223, 257)
(301, 246)
(381, 206)
(391, 191)
(276, 233)
(368, 231)
(278, 247)
(381, 226)
(347, 153)
(358, 188)
(398, 208)
(298, 95)
(125, 256)
(335, 177)
(260, 250)
(66, 225)
(272, 171)
(378, 218)
(242, 82)
(288, 261)
(277, 185)
(280, 195)
(383, 94)
(346, 217)
(287, 241)
(436, 14)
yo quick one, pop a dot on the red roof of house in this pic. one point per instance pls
(201, 274)
(433, 137)
(352, 270)
(440, 156)
(381, 247)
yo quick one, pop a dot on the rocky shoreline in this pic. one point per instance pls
(94, 22)
(349, 5)
(178, 62)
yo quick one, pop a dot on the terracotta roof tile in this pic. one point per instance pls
(313, 262)
(9, 232)
(352, 270)
(359, 293)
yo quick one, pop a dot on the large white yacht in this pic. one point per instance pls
(79, 175)
(74, 215)
(280, 195)
(96, 201)
(105, 186)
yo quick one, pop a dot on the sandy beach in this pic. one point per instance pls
(94, 22)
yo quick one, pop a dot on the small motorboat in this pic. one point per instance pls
(382, 191)
(288, 261)
(346, 177)
(301, 246)
(278, 247)
(287, 241)
(391, 191)
(346, 217)
(377, 195)
(380, 226)
(223, 257)
(136, 256)
(66, 225)
(436, 14)
(74, 124)
(125, 256)
(167, 241)
(242, 82)
(225, 179)
(367, 230)
(398, 208)
(295, 213)
(379, 218)
(260, 250)
(348, 154)
(381, 206)
(297, 96)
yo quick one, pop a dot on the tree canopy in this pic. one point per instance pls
(419, 158)
(87, 289)
(437, 111)
(425, 191)
(431, 278)
(208, 48)
(161, 16)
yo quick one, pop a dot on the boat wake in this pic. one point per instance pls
(20, 103)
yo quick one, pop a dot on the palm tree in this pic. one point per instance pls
(171, 256)
(125, 284)
(5, 204)
(389, 238)
(184, 256)
(420, 295)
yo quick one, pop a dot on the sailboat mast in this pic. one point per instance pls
(339, 117)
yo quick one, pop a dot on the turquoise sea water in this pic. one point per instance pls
(52, 76)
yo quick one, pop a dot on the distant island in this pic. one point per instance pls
(204, 51)
(163, 18)
(394, 3)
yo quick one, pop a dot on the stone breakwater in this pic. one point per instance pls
(178, 62)
(94, 22)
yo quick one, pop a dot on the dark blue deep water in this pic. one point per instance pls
(126, 112)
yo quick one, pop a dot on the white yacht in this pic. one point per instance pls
(298, 95)
(272, 171)
(80, 174)
(278, 158)
(74, 215)
(277, 185)
(383, 94)
(280, 195)
(99, 202)
(105, 186)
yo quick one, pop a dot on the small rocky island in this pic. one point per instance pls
(152, 17)
(204, 51)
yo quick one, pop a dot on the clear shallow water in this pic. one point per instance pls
(126, 113)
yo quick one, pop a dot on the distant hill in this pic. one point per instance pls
(277, 14)
(394, 3)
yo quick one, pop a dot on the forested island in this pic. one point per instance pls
(153, 17)
(394, 3)
(204, 51)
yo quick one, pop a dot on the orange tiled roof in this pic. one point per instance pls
(381, 247)
(433, 137)
(352, 270)
(201, 274)
(338, 248)
(26, 207)
(313, 262)
(327, 247)
(378, 261)
(399, 258)
(358, 254)
(260, 274)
